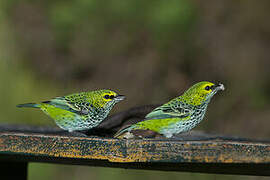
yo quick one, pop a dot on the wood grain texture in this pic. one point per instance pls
(201, 153)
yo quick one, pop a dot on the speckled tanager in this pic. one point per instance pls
(79, 111)
(178, 115)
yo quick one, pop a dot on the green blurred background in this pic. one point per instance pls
(151, 51)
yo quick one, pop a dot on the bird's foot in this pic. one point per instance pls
(77, 134)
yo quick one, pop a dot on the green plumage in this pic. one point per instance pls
(79, 111)
(180, 114)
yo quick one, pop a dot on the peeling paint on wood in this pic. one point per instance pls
(187, 155)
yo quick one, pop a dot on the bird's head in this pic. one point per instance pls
(104, 98)
(201, 92)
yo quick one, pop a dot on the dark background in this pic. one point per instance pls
(151, 51)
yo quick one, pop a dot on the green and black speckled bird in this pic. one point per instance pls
(79, 111)
(178, 115)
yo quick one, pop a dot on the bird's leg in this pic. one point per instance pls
(76, 133)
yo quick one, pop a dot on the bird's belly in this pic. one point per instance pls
(77, 123)
(71, 121)
(182, 126)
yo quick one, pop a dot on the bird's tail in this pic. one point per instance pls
(30, 105)
(122, 131)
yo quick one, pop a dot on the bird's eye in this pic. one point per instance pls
(112, 96)
(207, 88)
(107, 96)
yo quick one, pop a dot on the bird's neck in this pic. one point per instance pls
(109, 106)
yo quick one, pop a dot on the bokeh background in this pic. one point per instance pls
(151, 51)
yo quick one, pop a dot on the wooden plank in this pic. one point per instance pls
(208, 154)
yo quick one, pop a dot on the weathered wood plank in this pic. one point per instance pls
(209, 154)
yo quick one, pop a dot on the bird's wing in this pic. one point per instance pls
(61, 102)
(169, 110)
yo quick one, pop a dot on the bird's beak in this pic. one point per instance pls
(219, 86)
(119, 97)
